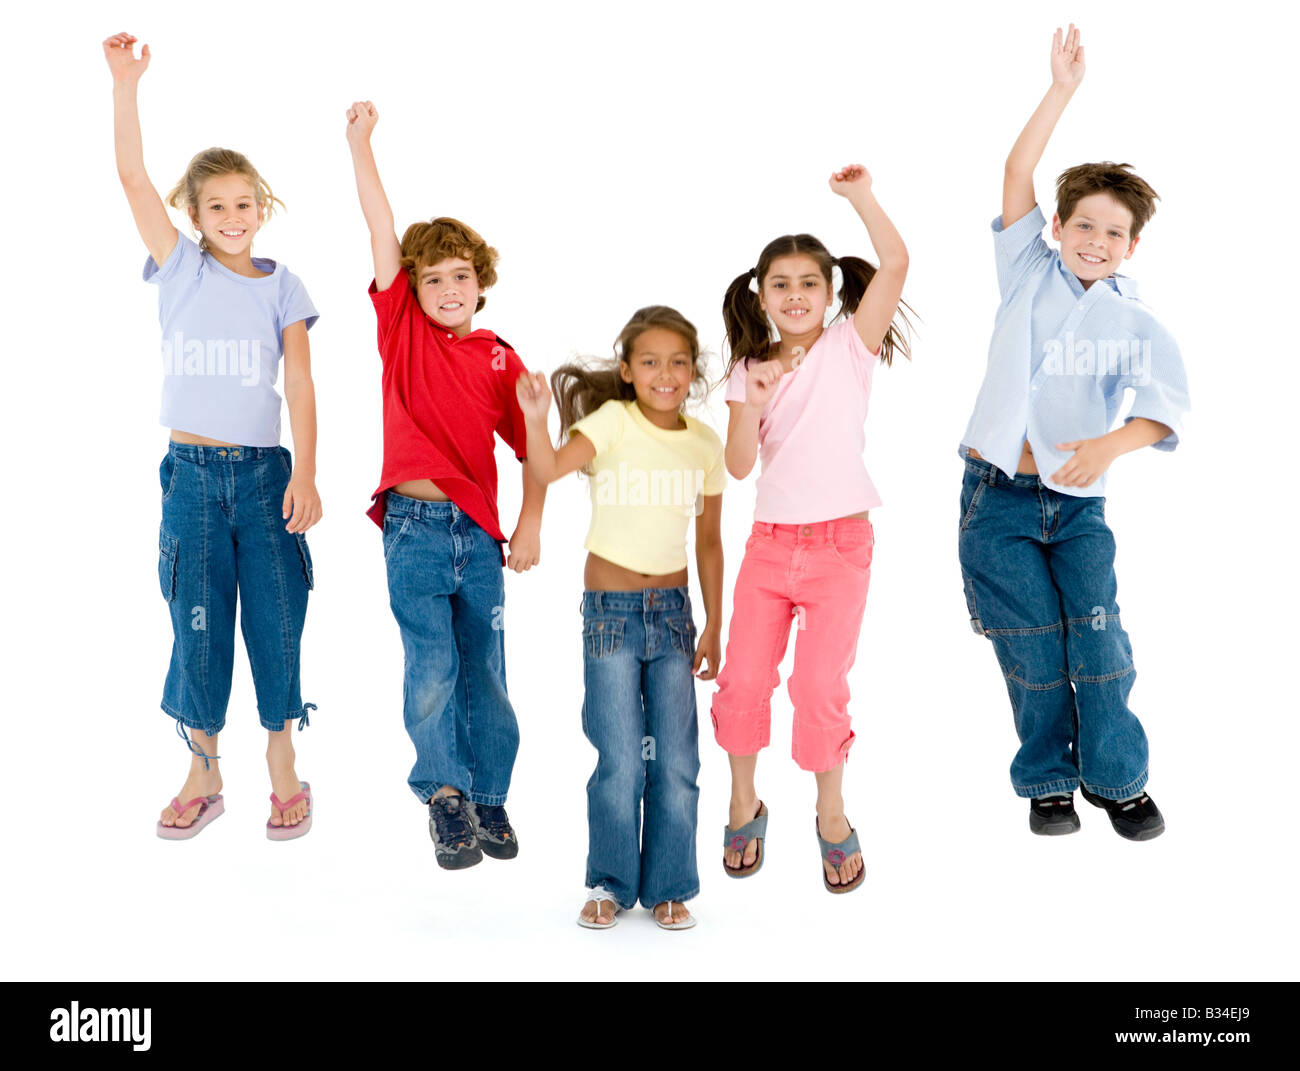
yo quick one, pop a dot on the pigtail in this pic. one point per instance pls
(748, 332)
(856, 275)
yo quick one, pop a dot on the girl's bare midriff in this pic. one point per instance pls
(601, 574)
(1026, 463)
(197, 440)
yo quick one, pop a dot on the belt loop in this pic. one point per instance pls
(600, 609)
(202, 458)
(991, 474)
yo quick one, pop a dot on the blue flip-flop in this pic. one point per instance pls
(737, 840)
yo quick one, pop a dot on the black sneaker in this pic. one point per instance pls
(1135, 819)
(1053, 816)
(495, 835)
(454, 843)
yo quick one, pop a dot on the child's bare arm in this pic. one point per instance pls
(879, 304)
(1018, 179)
(387, 251)
(301, 504)
(1092, 457)
(151, 218)
(742, 424)
(544, 462)
(708, 559)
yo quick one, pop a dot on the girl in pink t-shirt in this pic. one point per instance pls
(799, 402)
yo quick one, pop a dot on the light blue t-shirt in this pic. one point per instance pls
(221, 343)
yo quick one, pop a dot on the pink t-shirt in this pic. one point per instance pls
(810, 437)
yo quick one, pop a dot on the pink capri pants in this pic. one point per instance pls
(817, 575)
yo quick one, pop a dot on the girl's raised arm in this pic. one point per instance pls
(387, 251)
(546, 463)
(151, 218)
(879, 304)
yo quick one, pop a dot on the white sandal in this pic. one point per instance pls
(680, 924)
(598, 895)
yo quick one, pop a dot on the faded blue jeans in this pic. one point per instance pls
(223, 540)
(1039, 573)
(639, 712)
(447, 592)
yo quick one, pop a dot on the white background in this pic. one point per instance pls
(619, 157)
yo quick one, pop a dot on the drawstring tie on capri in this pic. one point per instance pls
(180, 731)
(303, 720)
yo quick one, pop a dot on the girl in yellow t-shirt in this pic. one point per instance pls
(651, 469)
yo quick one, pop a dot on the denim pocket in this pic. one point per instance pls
(393, 532)
(970, 501)
(305, 555)
(285, 462)
(167, 475)
(167, 565)
(681, 633)
(602, 637)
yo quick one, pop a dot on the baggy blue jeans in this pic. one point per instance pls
(446, 589)
(223, 538)
(1039, 573)
(639, 712)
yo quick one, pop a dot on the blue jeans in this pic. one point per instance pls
(446, 589)
(222, 537)
(639, 713)
(1039, 572)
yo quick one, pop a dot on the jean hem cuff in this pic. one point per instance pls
(1047, 788)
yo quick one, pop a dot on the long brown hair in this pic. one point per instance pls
(583, 386)
(749, 334)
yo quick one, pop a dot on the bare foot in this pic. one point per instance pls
(200, 782)
(741, 814)
(284, 780)
(671, 912)
(835, 829)
(600, 912)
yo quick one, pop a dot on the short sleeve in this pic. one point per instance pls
(390, 305)
(1160, 387)
(736, 383)
(605, 426)
(715, 476)
(511, 426)
(295, 305)
(1019, 249)
(184, 260)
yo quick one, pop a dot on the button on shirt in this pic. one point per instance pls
(1062, 357)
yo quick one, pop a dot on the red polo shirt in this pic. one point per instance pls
(443, 398)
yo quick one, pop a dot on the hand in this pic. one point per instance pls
(1091, 458)
(760, 383)
(709, 646)
(1067, 59)
(534, 396)
(119, 50)
(854, 178)
(525, 548)
(300, 499)
(362, 117)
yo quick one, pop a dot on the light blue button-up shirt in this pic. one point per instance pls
(1061, 358)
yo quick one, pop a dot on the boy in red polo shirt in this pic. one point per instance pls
(447, 388)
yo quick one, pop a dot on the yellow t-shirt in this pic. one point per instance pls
(646, 484)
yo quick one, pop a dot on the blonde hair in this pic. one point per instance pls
(215, 163)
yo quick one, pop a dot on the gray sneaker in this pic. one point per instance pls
(454, 844)
(1052, 816)
(496, 837)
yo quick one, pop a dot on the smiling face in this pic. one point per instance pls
(795, 294)
(1095, 238)
(449, 291)
(227, 214)
(660, 369)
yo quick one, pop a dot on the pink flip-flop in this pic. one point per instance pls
(213, 807)
(290, 832)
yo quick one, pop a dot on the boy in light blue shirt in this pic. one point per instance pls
(1037, 557)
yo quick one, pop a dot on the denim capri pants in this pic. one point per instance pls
(223, 537)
